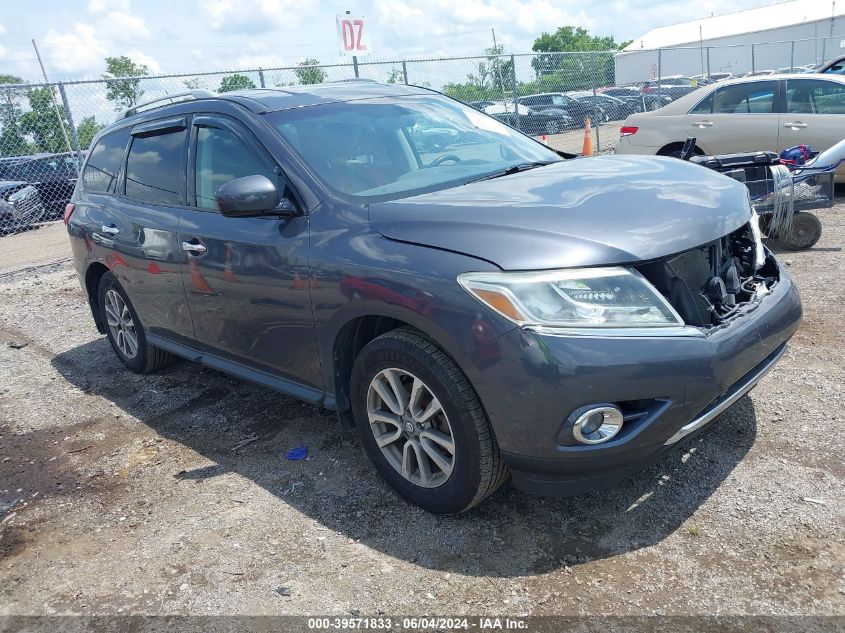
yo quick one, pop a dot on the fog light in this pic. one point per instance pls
(597, 424)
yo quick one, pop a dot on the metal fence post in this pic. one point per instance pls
(261, 77)
(513, 88)
(753, 63)
(659, 71)
(355, 65)
(73, 136)
(708, 61)
(405, 72)
(595, 103)
(792, 57)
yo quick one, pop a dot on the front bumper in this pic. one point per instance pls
(687, 381)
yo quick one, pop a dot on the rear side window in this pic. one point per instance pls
(155, 168)
(104, 162)
(745, 98)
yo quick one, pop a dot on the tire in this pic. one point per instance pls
(805, 231)
(147, 358)
(552, 127)
(477, 468)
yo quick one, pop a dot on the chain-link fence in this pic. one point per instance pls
(45, 129)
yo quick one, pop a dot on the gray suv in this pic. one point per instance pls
(478, 308)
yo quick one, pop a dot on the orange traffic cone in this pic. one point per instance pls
(587, 150)
(198, 282)
(299, 283)
(544, 140)
(228, 274)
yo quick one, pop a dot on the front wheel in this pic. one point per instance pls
(124, 329)
(422, 425)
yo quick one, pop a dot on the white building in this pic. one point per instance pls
(779, 36)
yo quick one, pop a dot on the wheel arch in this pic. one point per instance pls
(348, 338)
(93, 275)
(677, 146)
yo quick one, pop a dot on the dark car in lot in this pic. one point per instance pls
(637, 101)
(549, 121)
(53, 175)
(576, 110)
(476, 311)
(835, 66)
(20, 207)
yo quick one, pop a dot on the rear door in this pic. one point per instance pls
(139, 227)
(739, 117)
(815, 115)
(247, 279)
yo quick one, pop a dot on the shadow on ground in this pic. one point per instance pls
(510, 534)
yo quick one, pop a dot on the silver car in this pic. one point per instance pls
(767, 113)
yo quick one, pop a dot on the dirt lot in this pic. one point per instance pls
(171, 493)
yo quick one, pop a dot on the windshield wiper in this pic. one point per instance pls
(513, 169)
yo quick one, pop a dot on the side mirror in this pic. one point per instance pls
(252, 196)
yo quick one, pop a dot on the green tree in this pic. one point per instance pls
(309, 72)
(396, 76)
(573, 72)
(12, 140)
(42, 124)
(126, 92)
(235, 82)
(195, 83)
(87, 130)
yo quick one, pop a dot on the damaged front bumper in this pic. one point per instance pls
(669, 387)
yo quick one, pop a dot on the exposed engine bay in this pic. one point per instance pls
(718, 281)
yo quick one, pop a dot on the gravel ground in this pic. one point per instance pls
(171, 494)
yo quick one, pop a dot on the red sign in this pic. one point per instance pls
(352, 35)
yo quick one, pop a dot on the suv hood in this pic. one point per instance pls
(585, 212)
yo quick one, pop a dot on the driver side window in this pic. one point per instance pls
(220, 157)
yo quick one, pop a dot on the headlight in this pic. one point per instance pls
(612, 297)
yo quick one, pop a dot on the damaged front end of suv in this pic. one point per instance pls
(714, 283)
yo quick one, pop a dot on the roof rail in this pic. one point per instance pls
(190, 94)
(351, 79)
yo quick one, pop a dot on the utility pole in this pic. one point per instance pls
(498, 71)
(354, 57)
(53, 97)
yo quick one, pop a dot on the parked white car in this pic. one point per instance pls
(768, 113)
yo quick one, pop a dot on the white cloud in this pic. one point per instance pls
(125, 26)
(150, 62)
(257, 16)
(77, 50)
(103, 6)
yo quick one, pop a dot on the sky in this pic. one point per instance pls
(173, 36)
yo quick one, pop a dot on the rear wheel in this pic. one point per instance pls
(124, 329)
(552, 127)
(422, 425)
(805, 231)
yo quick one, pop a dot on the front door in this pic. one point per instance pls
(247, 279)
(736, 118)
(815, 115)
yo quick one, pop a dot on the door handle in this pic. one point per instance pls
(702, 123)
(194, 247)
(111, 229)
(795, 125)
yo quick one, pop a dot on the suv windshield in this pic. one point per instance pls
(380, 149)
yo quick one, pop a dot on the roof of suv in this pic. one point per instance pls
(262, 100)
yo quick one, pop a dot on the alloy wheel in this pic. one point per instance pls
(121, 324)
(410, 427)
